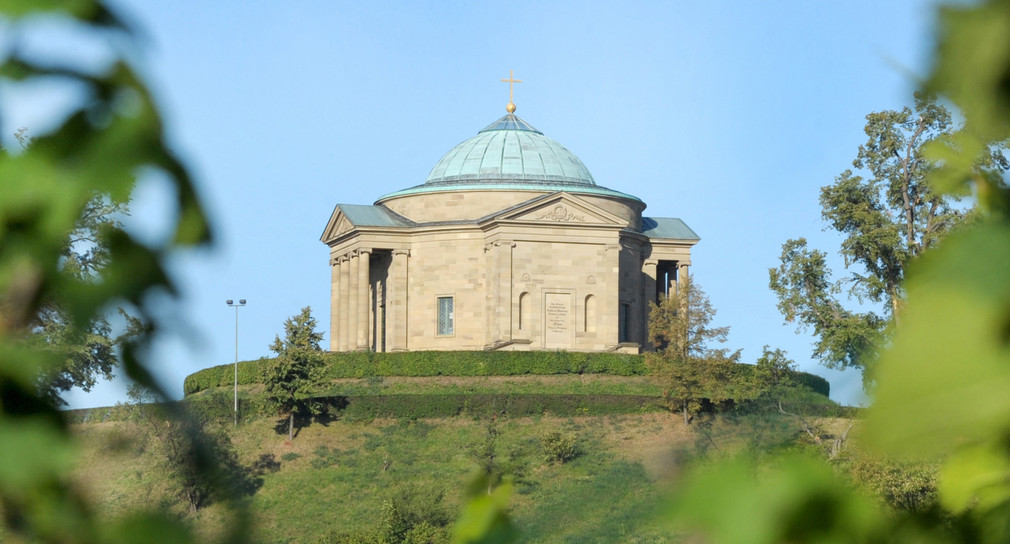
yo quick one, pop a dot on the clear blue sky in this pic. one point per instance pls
(729, 115)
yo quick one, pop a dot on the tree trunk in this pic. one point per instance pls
(684, 409)
(836, 446)
(291, 426)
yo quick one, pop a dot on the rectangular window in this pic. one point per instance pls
(445, 316)
(622, 322)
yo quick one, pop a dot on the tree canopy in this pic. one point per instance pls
(888, 214)
(689, 369)
(89, 350)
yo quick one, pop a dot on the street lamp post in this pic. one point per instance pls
(241, 302)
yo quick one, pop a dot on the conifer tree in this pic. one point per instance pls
(290, 382)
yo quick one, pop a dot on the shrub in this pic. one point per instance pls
(414, 516)
(814, 382)
(559, 447)
(266, 463)
(904, 486)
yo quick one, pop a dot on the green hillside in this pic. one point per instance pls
(336, 478)
(404, 435)
(395, 451)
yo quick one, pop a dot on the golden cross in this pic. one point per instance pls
(511, 81)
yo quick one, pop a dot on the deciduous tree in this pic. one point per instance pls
(689, 370)
(291, 381)
(89, 349)
(888, 214)
(195, 455)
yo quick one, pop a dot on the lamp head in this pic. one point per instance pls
(229, 301)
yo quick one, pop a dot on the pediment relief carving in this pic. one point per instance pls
(561, 214)
(563, 208)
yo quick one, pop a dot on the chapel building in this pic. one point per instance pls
(508, 244)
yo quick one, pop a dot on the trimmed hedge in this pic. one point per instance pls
(457, 363)
(437, 405)
(118, 412)
(816, 383)
(249, 372)
(435, 363)
(434, 406)
(813, 382)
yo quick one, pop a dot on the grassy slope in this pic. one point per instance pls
(339, 482)
(336, 477)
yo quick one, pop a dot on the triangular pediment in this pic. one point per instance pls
(560, 208)
(337, 225)
(351, 217)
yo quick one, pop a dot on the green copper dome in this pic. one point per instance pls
(509, 154)
(510, 150)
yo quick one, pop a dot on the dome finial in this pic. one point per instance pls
(511, 107)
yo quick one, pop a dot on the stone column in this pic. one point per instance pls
(334, 303)
(380, 316)
(636, 325)
(352, 302)
(345, 267)
(682, 272)
(363, 275)
(370, 337)
(396, 306)
(649, 272)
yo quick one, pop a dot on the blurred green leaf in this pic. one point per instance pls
(142, 528)
(112, 135)
(945, 377)
(485, 519)
(799, 499)
(977, 476)
(972, 55)
(956, 155)
(86, 10)
(21, 465)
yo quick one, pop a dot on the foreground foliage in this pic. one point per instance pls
(111, 132)
(89, 349)
(942, 381)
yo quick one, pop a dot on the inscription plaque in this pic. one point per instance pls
(557, 320)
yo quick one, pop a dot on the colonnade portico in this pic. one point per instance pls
(359, 296)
